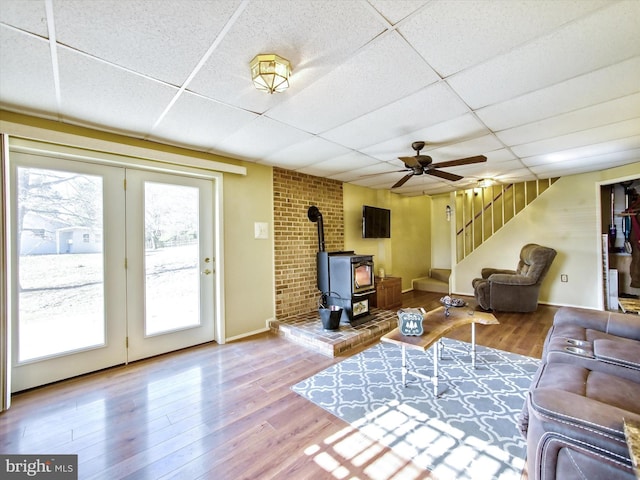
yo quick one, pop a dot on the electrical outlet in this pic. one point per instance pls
(564, 277)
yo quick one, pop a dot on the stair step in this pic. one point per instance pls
(441, 274)
(430, 284)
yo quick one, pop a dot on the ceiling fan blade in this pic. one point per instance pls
(382, 173)
(410, 161)
(403, 180)
(446, 175)
(461, 161)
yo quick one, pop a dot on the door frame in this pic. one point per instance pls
(56, 151)
(163, 166)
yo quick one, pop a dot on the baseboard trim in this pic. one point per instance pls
(248, 334)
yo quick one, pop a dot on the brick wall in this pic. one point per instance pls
(296, 237)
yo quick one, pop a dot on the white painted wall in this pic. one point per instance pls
(565, 217)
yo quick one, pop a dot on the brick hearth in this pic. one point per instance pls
(306, 330)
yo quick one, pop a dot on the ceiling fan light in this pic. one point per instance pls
(270, 72)
(486, 182)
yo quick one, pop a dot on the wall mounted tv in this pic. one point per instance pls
(376, 222)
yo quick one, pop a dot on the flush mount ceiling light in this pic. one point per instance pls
(270, 72)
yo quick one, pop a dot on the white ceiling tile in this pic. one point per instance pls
(361, 91)
(497, 170)
(195, 120)
(608, 83)
(26, 75)
(445, 133)
(468, 148)
(515, 176)
(343, 163)
(431, 105)
(605, 133)
(613, 147)
(435, 31)
(89, 89)
(378, 181)
(305, 153)
(501, 155)
(373, 173)
(260, 138)
(28, 16)
(367, 82)
(589, 164)
(394, 11)
(426, 184)
(313, 35)
(614, 111)
(163, 39)
(571, 51)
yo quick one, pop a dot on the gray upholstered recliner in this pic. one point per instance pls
(515, 290)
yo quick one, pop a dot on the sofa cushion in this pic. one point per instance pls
(568, 343)
(615, 351)
(612, 323)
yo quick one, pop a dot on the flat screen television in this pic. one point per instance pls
(376, 222)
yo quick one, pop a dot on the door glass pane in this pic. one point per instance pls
(172, 276)
(60, 262)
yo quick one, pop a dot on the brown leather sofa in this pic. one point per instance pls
(515, 290)
(587, 384)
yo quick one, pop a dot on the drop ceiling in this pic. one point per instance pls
(541, 88)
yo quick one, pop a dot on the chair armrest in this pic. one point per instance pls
(511, 279)
(487, 272)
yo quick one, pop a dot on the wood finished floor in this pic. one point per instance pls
(221, 412)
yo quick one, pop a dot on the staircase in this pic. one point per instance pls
(437, 281)
(480, 212)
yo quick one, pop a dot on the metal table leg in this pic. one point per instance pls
(436, 354)
(404, 366)
(473, 345)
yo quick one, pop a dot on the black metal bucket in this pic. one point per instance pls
(330, 318)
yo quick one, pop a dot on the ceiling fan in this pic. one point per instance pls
(419, 164)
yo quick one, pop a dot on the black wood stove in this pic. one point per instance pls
(345, 279)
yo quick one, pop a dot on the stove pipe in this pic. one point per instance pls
(316, 217)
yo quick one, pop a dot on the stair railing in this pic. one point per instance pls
(482, 211)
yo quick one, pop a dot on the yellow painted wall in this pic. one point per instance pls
(249, 265)
(407, 253)
(441, 231)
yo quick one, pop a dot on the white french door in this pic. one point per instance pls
(102, 275)
(170, 263)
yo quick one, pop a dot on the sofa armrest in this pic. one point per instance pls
(511, 279)
(613, 323)
(487, 272)
(581, 418)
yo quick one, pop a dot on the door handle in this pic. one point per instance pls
(206, 271)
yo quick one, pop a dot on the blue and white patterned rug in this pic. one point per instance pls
(469, 432)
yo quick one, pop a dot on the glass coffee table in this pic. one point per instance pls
(436, 325)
